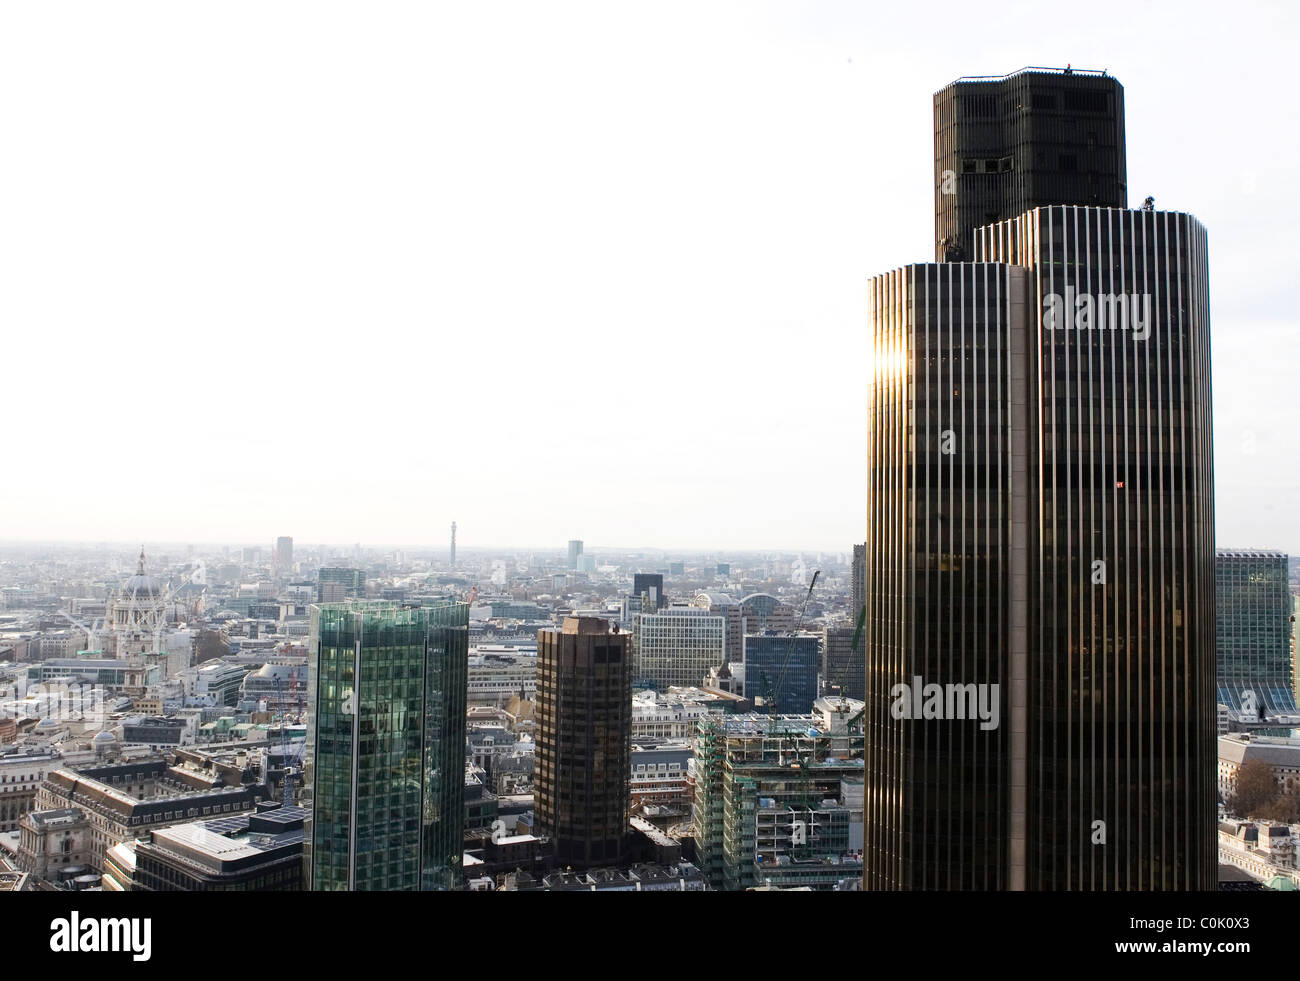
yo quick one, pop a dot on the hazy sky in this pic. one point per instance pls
(348, 272)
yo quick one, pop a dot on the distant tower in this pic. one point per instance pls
(453, 544)
(575, 552)
(283, 553)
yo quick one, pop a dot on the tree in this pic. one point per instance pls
(1256, 790)
(1285, 809)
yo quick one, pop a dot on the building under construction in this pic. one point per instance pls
(778, 798)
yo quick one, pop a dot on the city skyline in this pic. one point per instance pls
(552, 246)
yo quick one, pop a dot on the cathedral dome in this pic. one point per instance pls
(142, 586)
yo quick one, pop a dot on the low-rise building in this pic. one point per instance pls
(21, 774)
(122, 800)
(1280, 753)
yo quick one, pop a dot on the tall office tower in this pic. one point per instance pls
(857, 594)
(575, 552)
(651, 584)
(844, 665)
(782, 667)
(584, 733)
(334, 584)
(676, 646)
(764, 612)
(1253, 613)
(722, 569)
(1039, 632)
(720, 604)
(1003, 146)
(1295, 647)
(1121, 534)
(284, 554)
(778, 799)
(386, 746)
(453, 544)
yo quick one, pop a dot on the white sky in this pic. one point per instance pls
(348, 272)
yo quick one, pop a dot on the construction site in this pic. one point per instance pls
(778, 798)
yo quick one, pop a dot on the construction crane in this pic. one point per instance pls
(804, 764)
(287, 800)
(771, 693)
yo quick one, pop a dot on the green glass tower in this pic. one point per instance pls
(386, 746)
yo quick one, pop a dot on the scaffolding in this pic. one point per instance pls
(771, 804)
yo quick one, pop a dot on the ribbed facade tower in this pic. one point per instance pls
(1039, 575)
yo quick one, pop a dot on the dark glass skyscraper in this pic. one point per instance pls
(650, 584)
(1003, 146)
(584, 741)
(386, 746)
(1040, 555)
(1253, 604)
(782, 666)
(1120, 533)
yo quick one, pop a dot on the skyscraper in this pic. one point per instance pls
(1038, 569)
(650, 584)
(335, 583)
(1253, 613)
(453, 544)
(386, 746)
(584, 732)
(575, 552)
(283, 555)
(857, 595)
(1003, 146)
(782, 667)
(843, 663)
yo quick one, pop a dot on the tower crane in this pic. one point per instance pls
(287, 797)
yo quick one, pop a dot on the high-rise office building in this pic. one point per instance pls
(283, 553)
(677, 646)
(452, 551)
(650, 584)
(386, 746)
(857, 592)
(334, 584)
(1253, 635)
(1039, 561)
(844, 666)
(720, 604)
(764, 612)
(1004, 146)
(782, 667)
(584, 733)
(575, 552)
